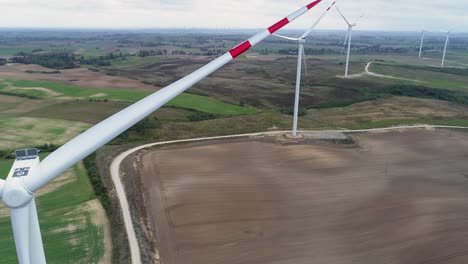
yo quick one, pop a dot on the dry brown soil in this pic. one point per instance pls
(80, 77)
(395, 197)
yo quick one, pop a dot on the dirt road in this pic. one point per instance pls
(370, 73)
(398, 198)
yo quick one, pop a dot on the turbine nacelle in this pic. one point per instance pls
(14, 193)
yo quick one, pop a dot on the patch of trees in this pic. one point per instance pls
(200, 116)
(2, 61)
(307, 51)
(98, 186)
(47, 148)
(290, 111)
(347, 102)
(212, 52)
(145, 128)
(427, 92)
(148, 123)
(265, 51)
(43, 72)
(151, 44)
(6, 154)
(102, 60)
(178, 52)
(456, 71)
(370, 94)
(288, 51)
(57, 60)
(147, 53)
(98, 100)
(379, 49)
(19, 95)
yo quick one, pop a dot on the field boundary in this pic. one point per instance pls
(121, 194)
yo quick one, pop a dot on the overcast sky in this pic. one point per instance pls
(381, 14)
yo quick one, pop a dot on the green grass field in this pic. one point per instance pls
(20, 132)
(426, 77)
(68, 230)
(399, 122)
(47, 89)
(5, 166)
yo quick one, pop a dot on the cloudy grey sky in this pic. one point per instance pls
(381, 14)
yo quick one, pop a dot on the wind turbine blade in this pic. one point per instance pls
(20, 222)
(347, 36)
(284, 37)
(346, 39)
(359, 18)
(35, 238)
(100, 134)
(455, 27)
(339, 11)
(307, 33)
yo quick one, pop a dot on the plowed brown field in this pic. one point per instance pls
(396, 197)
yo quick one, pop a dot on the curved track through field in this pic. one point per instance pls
(370, 73)
(115, 171)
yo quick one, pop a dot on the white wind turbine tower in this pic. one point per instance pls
(348, 37)
(301, 55)
(423, 33)
(447, 40)
(28, 174)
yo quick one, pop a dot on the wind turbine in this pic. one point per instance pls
(29, 174)
(348, 37)
(423, 33)
(301, 55)
(447, 39)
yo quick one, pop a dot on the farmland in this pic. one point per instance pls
(25, 131)
(40, 105)
(310, 201)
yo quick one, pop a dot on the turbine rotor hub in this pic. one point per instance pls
(15, 194)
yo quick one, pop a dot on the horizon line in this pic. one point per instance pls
(97, 29)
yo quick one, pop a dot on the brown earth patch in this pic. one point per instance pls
(80, 77)
(399, 197)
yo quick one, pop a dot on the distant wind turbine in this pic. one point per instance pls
(29, 174)
(348, 37)
(301, 56)
(447, 39)
(423, 33)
